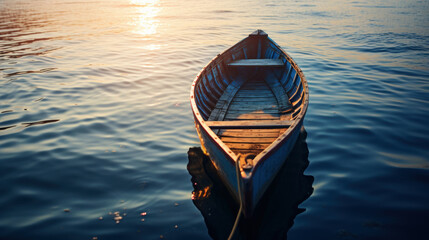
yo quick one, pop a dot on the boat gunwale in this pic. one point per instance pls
(267, 152)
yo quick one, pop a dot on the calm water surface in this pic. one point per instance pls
(95, 122)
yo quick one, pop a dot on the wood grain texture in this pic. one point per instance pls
(279, 93)
(252, 119)
(265, 62)
(254, 133)
(249, 124)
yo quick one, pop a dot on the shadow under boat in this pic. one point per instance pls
(277, 209)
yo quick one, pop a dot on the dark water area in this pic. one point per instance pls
(274, 214)
(97, 135)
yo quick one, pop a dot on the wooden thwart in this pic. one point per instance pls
(249, 124)
(250, 132)
(267, 62)
(249, 140)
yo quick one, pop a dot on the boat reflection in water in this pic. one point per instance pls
(274, 215)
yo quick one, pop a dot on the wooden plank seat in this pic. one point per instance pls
(266, 62)
(249, 124)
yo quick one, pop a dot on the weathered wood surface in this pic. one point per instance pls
(249, 124)
(248, 146)
(267, 140)
(251, 116)
(249, 133)
(248, 120)
(267, 62)
(255, 99)
(244, 111)
(224, 101)
(251, 108)
(279, 93)
(254, 92)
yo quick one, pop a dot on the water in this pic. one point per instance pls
(95, 116)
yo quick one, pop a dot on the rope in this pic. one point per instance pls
(237, 219)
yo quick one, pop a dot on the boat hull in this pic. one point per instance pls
(256, 61)
(253, 188)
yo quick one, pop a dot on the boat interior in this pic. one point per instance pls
(249, 95)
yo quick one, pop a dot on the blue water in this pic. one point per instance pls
(95, 122)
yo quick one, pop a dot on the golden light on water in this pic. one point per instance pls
(145, 21)
(201, 194)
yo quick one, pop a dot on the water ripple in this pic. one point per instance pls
(95, 117)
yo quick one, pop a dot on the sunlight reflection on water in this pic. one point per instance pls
(146, 22)
(116, 75)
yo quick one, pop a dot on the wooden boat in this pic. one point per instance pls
(249, 104)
